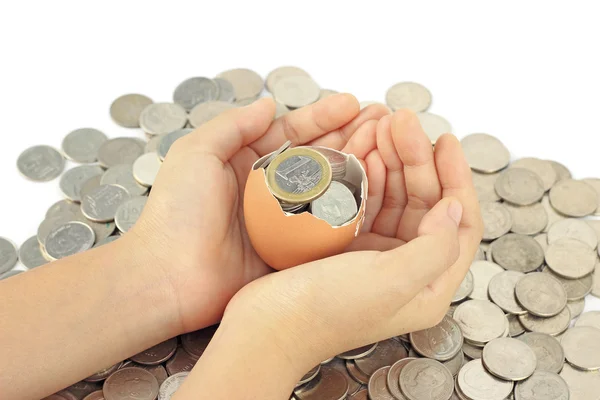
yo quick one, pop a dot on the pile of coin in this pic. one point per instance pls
(509, 332)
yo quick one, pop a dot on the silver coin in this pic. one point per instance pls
(280, 110)
(480, 254)
(122, 175)
(393, 377)
(483, 272)
(517, 253)
(226, 90)
(168, 140)
(30, 254)
(541, 294)
(378, 389)
(485, 153)
(107, 240)
(562, 172)
(576, 289)
(329, 384)
(152, 145)
(552, 326)
(528, 220)
(10, 273)
(171, 385)
(356, 374)
(129, 212)
(583, 385)
(509, 359)
(159, 118)
(433, 125)
(478, 384)
(102, 230)
(497, 220)
(480, 320)
(423, 379)
(440, 342)
(194, 91)
(455, 363)
(296, 91)
(326, 93)
(548, 351)
(101, 204)
(309, 376)
(519, 186)
(359, 352)
(121, 150)
(145, 169)
(336, 206)
(267, 160)
(126, 110)
(574, 229)
(340, 366)
(68, 239)
(541, 168)
(595, 183)
(73, 179)
(41, 163)
(542, 240)
(465, 288)
(590, 318)
(247, 84)
(573, 198)
(8, 255)
(596, 280)
(410, 95)
(471, 351)
(595, 225)
(570, 258)
(204, 112)
(514, 326)
(386, 353)
(547, 384)
(484, 186)
(553, 215)
(282, 72)
(501, 290)
(576, 307)
(49, 224)
(82, 145)
(582, 347)
(60, 207)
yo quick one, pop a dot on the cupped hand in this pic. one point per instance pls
(193, 226)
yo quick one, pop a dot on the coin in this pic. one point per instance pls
(573, 198)
(135, 382)
(480, 320)
(282, 72)
(548, 351)
(8, 255)
(309, 376)
(484, 186)
(553, 215)
(517, 253)
(541, 294)
(590, 318)
(145, 169)
(465, 288)
(97, 395)
(485, 153)
(119, 151)
(102, 203)
(8, 274)
(89, 185)
(126, 110)
(552, 326)
(410, 95)
(574, 229)
(340, 366)
(194, 91)
(296, 91)
(152, 145)
(528, 220)
(483, 272)
(82, 145)
(576, 307)
(336, 206)
(509, 359)
(497, 220)
(68, 239)
(204, 112)
(171, 385)
(329, 384)
(326, 93)
(81, 389)
(107, 240)
(122, 175)
(266, 160)
(455, 363)
(337, 160)
(583, 385)
(576, 289)
(501, 290)
(103, 373)
(356, 373)
(514, 326)
(41, 163)
(226, 90)
(29, 254)
(196, 342)
(159, 118)
(433, 125)
(393, 377)
(280, 110)
(440, 342)
(570, 258)
(547, 384)
(478, 384)
(386, 353)
(358, 352)
(247, 84)
(73, 179)
(423, 379)
(582, 347)
(378, 389)
(595, 183)
(596, 280)
(62, 206)
(182, 361)
(157, 354)
(541, 168)
(168, 140)
(519, 186)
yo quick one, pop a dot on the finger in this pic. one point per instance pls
(373, 241)
(308, 123)
(363, 141)
(376, 176)
(423, 189)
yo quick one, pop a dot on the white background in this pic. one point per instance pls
(526, 72)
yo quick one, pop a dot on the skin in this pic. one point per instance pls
(188, 262)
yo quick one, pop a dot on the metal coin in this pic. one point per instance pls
(485, 153)
(547, 384)
(517, 253)
(553, 215)
(574, 229)
(356, 373)
(280, 110)
(102, 230)
(103, 373)
(119, 151)
(386, 353)
(595, 183)
(157, 354)
(590, 318)
(501, 290)
(576, 289)
(107, 240)
(393, 377)
(480, 254)
(484, 186)
(548, 351)
(483, 272)
(168, 140)
(471, 351)
(573, 198)
(10, 273)
(171, 385)
(583, 385)
(424, 379)
(576, 307)
(528, 220)
(433, 125)
(337, 160)
(62, 206)
(68, 239)
(131, 380)
(455, 363)
(282, 72)
(247, 84)
(465, 289)
(159, 118)
(509, 359)
(541, 294)
(72, 180)
(497, 220)
(81, 389)
(329, 384)
(296, 91)
(226, 90)
(89, 185)
(440, 342)
(480, 320)
(97, 395)
(182, 361)
(82, 145)
(126, 110)
(519, 186)
(29, 254)
(196, 342)
(552, 326)
(570, 258)
(336, 206)
(159, 372)
(359, 352)
(268, 158)
(204, 112)
(340, 366)
(152, 145)
(309, 376)
(478, 384)
(122, 175)
(194, 91)
(378, 389)
(49, 224)
(145, 169)
(541, 168)
(562, 172)
(542, 239)
(102, 203)
(360, 395)
(8, 255)
(41, 163)
(410, 95)
(596, 280)
(582, 347)
(514, 326)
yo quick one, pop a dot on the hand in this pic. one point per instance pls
(193, 227)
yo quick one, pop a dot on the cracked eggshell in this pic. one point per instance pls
(285, 240)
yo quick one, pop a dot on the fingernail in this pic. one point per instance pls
(455, 211)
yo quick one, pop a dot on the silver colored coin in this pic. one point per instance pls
(542, 384)
(425, 379)
(477, 383)
(247, 84)
(553, 215)
(122, 175)
(519, 186)
(101, 204)
(574, 229)
(30, 254)
(576, 307)
(283, 72)
(129, 212)
(595, 225)
(280, 110)
(485, 153)
(541, 168)
(471, 351)
(386, 353)
(517, 253)
(194, 91)
(541, 294)
(548, 351)
(455, 363)
(583, 385)
(159, 118)
(152, 145)
(326, 93)
(309, 376)
(595, 183)
(340, 366)
(497, 220)
(10, 273)
(514, 326)
(89, 185)
(274, 155)
(204, 112)
(528, 220)
(126, 110)
(480, 254)
(480, 320)
(552, 326)
(107, 240)
(82, 145)
(8, 255)
(596, 280)
(410, 95)
(60, 207)
(433, 125)
(121, 150)
(336, 206)
(49, 224)
(41, 163)
(440, 342)
(542, 239)
(590, 318)
(360, 395)
(378, 389)
(145, 169)
(465, 288)
(171, 385)
(226, 90)
(296, 91)
(509, 359)
(562, 172)
(168, 140)
(102, 230)
(393, 377)
(501, 290)
(359, 352)
(582, 347)
(570, 258)
(355, 373)
(576, 289)
(329, 384)
(73, 179)
(483, 272)
(573, 198)
(484, 186)
(69, 239)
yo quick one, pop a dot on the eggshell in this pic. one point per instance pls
(285, 240)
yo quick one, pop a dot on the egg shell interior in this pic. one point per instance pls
(284, 240)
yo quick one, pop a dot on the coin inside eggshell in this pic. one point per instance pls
(283, 239)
